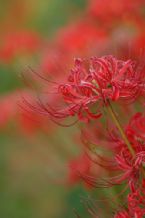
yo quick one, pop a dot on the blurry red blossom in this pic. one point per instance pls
(136, 127)
(18, 42)
(138, 42)
(28, 122)
(97, 80)
(135, 205)
(8, 109)
(77, 166)
(81, 37)
(109, 11)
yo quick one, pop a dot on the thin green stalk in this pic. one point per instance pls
(117, 123)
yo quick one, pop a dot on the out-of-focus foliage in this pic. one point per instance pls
(25, 186)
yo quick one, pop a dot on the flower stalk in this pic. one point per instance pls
(118, 125)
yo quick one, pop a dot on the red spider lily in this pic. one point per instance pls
(8, 109)
(97, 80)
(29, 122)
(135, 205)
(139, 41)
(122, 214)
(79, 165)
(24, 42)
(82, 36)
(129, 168)
(118, 79)
(136, 127)
(113, 10)
(53, 62)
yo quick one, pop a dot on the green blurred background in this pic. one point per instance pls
(26, 190)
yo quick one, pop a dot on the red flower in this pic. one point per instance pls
(79, 165)
(135, 207)
(97, 80)
(24, 42)
(128, 167)
(122, 214)
(81, 36)
(113, 10)
(136, 127)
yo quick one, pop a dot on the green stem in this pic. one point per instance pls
(117, 123)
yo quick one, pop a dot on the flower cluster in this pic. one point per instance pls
(95, 81)
(93, 85)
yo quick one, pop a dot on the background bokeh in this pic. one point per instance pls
(26, 160)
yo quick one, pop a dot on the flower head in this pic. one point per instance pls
(96, 80)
